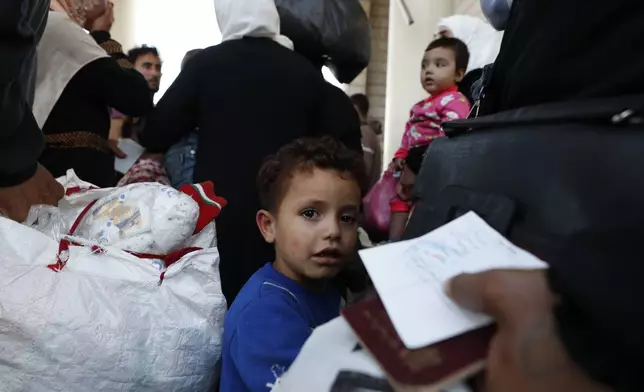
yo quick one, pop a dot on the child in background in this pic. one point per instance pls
(311, 192)
(443, 66)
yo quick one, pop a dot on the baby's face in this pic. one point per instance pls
(438, 70)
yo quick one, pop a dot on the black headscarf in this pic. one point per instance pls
(557, 50)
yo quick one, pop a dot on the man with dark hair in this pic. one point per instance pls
(23, 182)
(146, 59)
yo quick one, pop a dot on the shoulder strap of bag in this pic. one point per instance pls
(625, 110)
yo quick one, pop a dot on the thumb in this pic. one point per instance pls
(482, 293)
(509, 296)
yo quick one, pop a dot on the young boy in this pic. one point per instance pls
(310, 193)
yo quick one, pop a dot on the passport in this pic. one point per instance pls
(428, 369)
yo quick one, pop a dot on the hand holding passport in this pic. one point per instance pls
(421, 338)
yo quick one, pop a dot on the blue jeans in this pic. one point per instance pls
(180, 161)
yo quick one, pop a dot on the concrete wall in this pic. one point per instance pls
(172, 29)
(468, 7)
(373, 81)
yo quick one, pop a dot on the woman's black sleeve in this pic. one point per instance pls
(176, 113)
(114, 81)
(22, 23)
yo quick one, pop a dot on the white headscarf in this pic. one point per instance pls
(64, 49)
(250, 18)
(482, 40)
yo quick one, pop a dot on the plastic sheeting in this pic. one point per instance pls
(335, 33)
(108, 321)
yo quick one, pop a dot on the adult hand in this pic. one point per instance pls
(116, 133)
(526, 353)
(42, 188)
(105, 21)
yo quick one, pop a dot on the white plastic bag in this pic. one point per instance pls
(108, 321)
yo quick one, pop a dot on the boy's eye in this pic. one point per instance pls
(348, 219)
(309, 213)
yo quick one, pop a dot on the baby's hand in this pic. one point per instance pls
(397, 164)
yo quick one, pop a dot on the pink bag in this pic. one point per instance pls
(377, 211)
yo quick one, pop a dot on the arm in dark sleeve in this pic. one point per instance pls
(22, 23)
(598, 280)
(120, 86)
(112, 47)
(338, 118)
(176, 113)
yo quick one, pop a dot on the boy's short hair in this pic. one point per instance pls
(461, 53)
(361, 102)
(305, 154)
(135, 53)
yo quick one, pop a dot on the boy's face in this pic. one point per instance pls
(438, 70)
(315, 226)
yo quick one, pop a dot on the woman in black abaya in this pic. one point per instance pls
(247, 96)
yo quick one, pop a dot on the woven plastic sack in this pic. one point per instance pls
(377, 209)
(85, 317)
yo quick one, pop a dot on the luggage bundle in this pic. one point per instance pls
(114, 290)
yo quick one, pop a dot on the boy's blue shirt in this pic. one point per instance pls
(266, 327)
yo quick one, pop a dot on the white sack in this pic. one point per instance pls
(104, 323)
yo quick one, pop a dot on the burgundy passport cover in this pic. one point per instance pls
(437, 366)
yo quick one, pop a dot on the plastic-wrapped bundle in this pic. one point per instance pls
(335, 33)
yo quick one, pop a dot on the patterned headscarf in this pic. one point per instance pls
(76, 9)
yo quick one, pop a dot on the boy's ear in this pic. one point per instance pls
(460, 74)
(266, 224)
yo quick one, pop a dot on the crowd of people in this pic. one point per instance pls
(293, 155)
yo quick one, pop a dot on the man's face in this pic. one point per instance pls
(150, 67)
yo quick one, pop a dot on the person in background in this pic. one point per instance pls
(443, 66)
(371, 146)
(149, 167)
(483, 43)
(23, 182)
(180, 159)
(248, 96)
(80, 76)
(311, 192)
(146, 60)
